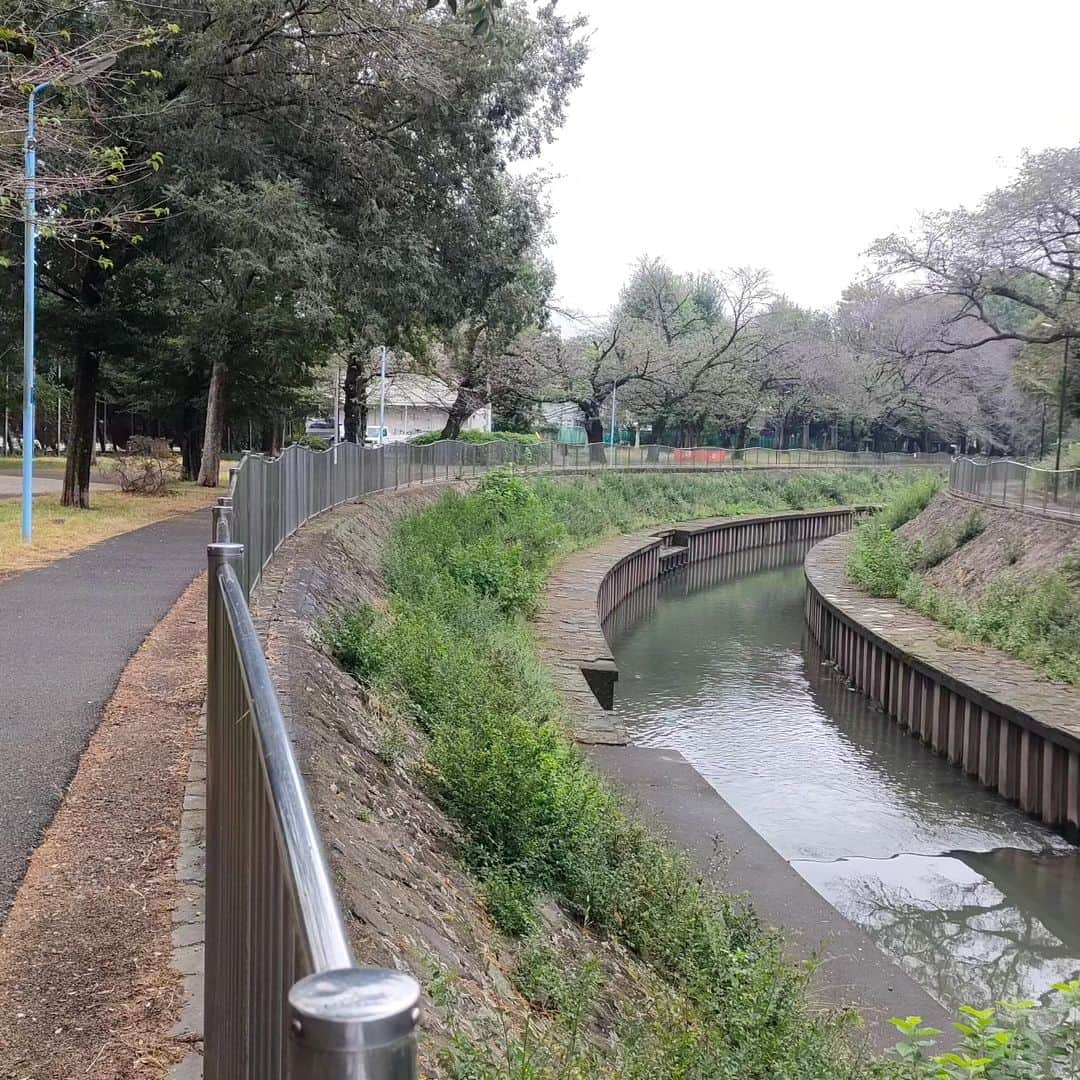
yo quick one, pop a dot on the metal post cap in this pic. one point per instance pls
(354, 1008)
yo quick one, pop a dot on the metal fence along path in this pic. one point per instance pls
(1016, 486)
(273, 497)
(284, 998)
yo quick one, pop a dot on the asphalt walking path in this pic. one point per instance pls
(66, 633)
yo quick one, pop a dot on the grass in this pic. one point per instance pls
(61, 531)
(50, 463)
(1034, 617)
(536, 821)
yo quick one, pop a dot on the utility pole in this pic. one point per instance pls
(29, 297)
(382, 393)
(1061, 415)
(614, 392)
(1061, 402)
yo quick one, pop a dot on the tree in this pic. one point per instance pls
(390, 121)
(696, 330)
(1012, 266)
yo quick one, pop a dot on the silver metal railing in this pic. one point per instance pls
(284, 999)
(273, 497)
(1012, 484)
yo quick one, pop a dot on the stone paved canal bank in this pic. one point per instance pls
(585, 589)
(991, 714)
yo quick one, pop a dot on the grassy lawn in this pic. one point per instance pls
(60, 531)
(50, 463)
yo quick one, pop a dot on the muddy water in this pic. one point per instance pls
(973, 898)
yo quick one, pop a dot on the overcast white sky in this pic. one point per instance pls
(791, 134)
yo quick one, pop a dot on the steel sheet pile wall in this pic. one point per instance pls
(710, 539)
(1029, 760)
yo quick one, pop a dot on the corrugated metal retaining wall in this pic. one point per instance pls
(1009, 751)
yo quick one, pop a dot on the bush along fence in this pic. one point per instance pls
(992, 718)
(283, 995)
(272, 497)
(1016, 486)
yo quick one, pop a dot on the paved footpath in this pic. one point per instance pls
(11, 486)
(66, 633)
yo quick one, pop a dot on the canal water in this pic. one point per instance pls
(975, 900)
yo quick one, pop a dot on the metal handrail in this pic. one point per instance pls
(320, 928)
(284, 999)
(273, 497)
(1015, 485)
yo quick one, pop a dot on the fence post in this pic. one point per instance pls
(221, 520)
(220, 996)
(354, 1024)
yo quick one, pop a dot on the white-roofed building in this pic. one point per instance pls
(416, 404)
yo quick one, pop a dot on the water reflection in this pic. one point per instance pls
(953, 927)
(966, 891)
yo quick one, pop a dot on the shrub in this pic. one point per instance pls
(910, 501)
(358, 642)
(879, 561)
(535, 819)
(478, 437)
(147, 467)
(1010, 1041)
(312, 442)
(925, 555)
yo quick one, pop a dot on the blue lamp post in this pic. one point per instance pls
(76, 76)
(29, 268)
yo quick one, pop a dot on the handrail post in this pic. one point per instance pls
(221, 520)
(354, 1024)
(218, 994)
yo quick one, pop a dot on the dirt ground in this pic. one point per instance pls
(1012, 542)
(87, 987)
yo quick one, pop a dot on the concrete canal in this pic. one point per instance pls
(973, 898)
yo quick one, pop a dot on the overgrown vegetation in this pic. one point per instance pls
(1034, 617)
(536, 820)
(479, 437)
(1012, 1041)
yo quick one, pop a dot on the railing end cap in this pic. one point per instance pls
(354, 1008)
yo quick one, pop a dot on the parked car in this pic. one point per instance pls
(321, 428)
(371, 436)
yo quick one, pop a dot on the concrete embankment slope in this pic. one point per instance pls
(584, 589)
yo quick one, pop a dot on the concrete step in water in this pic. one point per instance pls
(672, 557)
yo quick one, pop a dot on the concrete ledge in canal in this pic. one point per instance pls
(990, 714)
(587, 587)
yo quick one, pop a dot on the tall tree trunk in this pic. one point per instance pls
(210, 465)
(594, 433)
(81, 433)
(659, 426)
(466, 402)
(355, 399)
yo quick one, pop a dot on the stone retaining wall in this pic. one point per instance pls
(587, 587)
(990, 714)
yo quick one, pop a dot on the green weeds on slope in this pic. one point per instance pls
(1034, 617)
(537, 821)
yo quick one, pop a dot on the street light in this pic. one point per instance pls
(77, 76)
